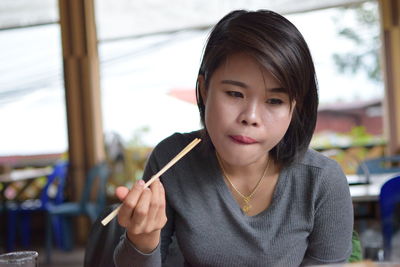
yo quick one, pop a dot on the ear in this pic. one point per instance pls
(202, 87)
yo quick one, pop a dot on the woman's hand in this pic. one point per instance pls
(143, 214)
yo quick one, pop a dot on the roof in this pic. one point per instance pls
(347, 106)
(164, 15)
(187, 95)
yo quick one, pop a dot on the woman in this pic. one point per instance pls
(252, 194)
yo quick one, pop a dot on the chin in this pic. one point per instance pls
(240, 158)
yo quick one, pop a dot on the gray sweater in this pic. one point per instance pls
(309, 221)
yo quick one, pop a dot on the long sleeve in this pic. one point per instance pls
(125, 254)
(309, 221)
(330, 239)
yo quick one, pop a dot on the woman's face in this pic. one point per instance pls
(247, 112)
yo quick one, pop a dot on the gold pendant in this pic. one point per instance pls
(246, 207)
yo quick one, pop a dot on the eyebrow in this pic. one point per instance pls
(236, 83)
(279, 90)
(245, 86)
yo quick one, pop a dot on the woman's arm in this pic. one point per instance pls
(143, 214)
(330, 240)
(126, 254)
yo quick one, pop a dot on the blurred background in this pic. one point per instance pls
(149, 53)
(137, 85)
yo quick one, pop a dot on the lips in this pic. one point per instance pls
(245, 140)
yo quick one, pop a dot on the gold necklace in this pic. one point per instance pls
(246, 199)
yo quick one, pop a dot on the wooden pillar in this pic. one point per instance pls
(82, 92)
(390, 25)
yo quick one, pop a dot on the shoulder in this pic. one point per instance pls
(177, 141)
(172, 145)
(193, 168)
(315, 159)
(320, 170)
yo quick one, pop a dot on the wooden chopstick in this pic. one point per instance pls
(184, 151)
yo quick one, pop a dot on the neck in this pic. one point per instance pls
(247, 173)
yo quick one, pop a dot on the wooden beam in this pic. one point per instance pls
(390, 28)
(82, 89)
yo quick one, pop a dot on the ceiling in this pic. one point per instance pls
(123, 18)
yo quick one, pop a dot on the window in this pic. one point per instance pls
(32, 104)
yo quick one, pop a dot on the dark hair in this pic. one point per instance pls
(278, 46)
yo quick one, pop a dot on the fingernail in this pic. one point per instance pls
(140, 182)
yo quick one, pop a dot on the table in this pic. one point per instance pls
(22, 175)
(371, 191)
(365, 263)
(25, 174)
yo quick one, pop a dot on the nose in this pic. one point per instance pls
(250, 114)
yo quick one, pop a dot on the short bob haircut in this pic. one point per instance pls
(278, 46)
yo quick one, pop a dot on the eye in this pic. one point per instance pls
(235, 94)
(275, 101)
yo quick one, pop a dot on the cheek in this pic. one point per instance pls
(278, 116)
(210, 114)
(278, 121)
(216, 111)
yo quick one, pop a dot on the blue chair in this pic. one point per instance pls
(19, 214)
(388, 164)
(389, 198)
(85, 206)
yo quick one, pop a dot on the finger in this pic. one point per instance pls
(121, 192)
(161, 213)
(129, 203)
(155, 203)
(139, 217)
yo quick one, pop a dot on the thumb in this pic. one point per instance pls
(121, 192)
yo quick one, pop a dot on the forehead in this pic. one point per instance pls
(244, 68)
